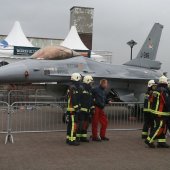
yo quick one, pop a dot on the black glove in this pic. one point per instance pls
(65, 118)
(91, 115)
(77, 112)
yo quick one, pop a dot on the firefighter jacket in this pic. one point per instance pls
(73, 97)
(159, 101)
(87, 99)
(147, 96)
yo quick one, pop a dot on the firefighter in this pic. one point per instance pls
(87, 108)
(73, 108)
(168, 122)
(159, 108)
(148, 119)
(99, 114)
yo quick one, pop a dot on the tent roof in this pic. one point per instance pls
(16, 37)
(73, 40)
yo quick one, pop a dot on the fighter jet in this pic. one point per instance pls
(127, 82)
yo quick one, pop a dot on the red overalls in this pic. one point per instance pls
(99, 117)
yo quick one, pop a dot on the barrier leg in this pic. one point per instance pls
(9, 137)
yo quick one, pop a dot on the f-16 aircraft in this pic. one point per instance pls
(127, 82)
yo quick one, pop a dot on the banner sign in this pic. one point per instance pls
(26, 51)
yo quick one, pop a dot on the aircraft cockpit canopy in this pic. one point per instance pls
(55, 53)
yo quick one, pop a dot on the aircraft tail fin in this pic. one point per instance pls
(147, 55)
(150, 46)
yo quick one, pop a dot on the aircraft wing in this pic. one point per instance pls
(128, 76)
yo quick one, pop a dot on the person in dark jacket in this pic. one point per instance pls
(73, 109)
(168, 122)
(148, 118)
(86, 110)
(159, 108)
(99, 116)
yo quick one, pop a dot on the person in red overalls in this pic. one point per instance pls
(99, 116)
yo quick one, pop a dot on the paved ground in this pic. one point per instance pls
(48, 151)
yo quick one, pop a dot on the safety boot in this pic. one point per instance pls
(151, 145)
(104, 138)
(162, 145)
(73, 143)
(84, 140)
(78, 139)
(144, 136)
(96, 139)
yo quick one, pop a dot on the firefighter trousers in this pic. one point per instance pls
(83, 123)
(159, 131)
(148, 123)
(72, 127)
(168, 123)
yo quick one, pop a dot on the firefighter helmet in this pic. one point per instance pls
(75, 77)
(88, 79)
(151, 83)
(163, 80)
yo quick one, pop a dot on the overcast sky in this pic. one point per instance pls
(115, 22)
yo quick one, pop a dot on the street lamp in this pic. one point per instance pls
(131, 43)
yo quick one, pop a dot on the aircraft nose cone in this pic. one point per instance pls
(13, 73)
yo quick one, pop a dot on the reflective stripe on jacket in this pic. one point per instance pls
(87, 99)
(159, 102)
(73, 95)
(146, 103)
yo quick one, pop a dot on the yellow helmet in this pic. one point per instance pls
(76, 77)
(88, 79)
(163, 80)
(151, 83)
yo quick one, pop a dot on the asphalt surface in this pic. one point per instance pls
(48, 151)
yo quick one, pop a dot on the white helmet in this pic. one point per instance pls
(151, 83)
(75, 77)
(163, 80)
(88, 79)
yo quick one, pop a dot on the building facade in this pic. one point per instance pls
(40, 42)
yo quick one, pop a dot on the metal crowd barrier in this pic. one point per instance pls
(4, 112)
(37, 116)
(43, 95)
(4, 95)
(34, 117)
(5, 121)
(21, 95)
(47, 117)
(23, 112)
(125, 116)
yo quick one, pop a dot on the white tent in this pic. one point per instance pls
(16, 37)
(73, 40)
